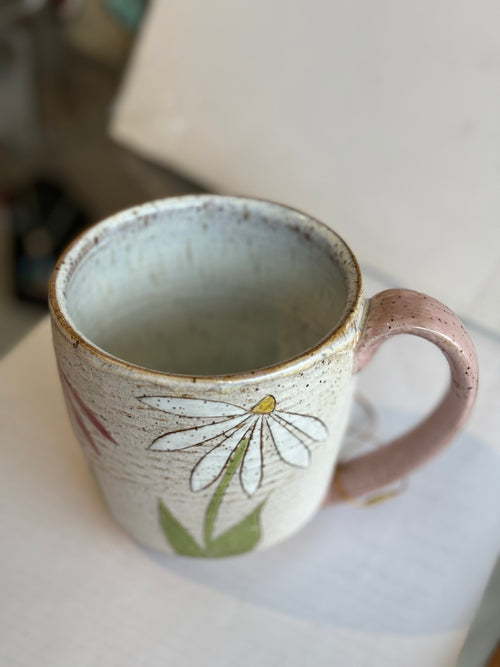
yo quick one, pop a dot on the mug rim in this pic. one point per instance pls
(345, 330)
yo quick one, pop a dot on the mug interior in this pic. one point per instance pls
(207, 285)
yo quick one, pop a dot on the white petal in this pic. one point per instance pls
(211, 465)
(289, 447)
(311, 426)
(192, 407)
(251, 470)
(194, 436)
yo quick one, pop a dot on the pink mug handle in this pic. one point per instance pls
(399, 311)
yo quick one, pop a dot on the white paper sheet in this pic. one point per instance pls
(395, 584)
(379, 118)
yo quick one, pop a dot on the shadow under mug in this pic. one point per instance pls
(207, 348)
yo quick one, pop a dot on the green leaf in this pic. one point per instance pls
(239, 538)
(234, 461)
(179, 538)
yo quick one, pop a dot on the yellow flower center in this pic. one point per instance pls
(265, 406)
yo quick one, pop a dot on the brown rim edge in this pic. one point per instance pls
(115, 364)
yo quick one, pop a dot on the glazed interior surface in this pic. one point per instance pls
(207, 286)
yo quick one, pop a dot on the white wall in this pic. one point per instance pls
(381, 118)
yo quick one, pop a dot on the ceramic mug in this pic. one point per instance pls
(207, 348)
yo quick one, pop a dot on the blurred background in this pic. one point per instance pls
(60, 66)
(380, 119)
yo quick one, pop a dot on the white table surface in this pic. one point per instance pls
(396, 584)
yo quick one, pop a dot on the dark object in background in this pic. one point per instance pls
(44, 219)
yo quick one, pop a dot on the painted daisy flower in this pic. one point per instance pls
(287, 431)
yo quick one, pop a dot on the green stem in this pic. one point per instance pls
(227, 476)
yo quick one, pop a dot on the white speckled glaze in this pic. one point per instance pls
(207, 347)
(121, 270)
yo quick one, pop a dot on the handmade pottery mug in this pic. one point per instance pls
(207, 348)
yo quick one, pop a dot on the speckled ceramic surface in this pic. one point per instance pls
(206, 347)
